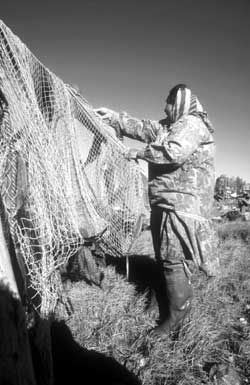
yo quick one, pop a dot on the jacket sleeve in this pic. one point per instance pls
(178, 145)
(142, 130)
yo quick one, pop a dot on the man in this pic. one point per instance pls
(180, 154)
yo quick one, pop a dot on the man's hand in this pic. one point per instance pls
(104, 112)
(133, 154)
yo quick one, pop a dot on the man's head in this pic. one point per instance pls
(171, 101)
(181, 102)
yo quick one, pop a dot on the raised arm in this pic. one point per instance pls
(126, 125)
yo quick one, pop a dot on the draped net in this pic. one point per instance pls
(63, 174)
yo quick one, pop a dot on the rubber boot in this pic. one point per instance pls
(178, 298)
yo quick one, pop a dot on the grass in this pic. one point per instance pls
(116, 320)
(235, 230)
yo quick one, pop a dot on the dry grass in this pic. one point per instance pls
(114, 320)
(236, 230)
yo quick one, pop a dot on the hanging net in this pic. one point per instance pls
(63, 175)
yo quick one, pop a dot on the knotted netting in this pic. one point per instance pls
(63, 175)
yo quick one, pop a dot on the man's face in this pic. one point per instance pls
(169, 111)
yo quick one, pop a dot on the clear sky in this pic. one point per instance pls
(127, 54)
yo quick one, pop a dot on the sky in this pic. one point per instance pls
(126, 55)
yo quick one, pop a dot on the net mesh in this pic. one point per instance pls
(63, 175)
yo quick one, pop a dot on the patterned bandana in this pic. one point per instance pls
(187, 103)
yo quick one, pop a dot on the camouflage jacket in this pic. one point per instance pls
(180, 160)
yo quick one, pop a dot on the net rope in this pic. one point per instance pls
(63, 174)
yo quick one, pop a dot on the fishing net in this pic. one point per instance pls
(63, 174)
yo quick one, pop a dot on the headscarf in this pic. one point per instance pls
(187, 103)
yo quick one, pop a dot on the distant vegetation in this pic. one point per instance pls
(116, 320)
(225, 186)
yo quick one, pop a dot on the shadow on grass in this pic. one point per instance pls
(143, 270)
(144, 273)
(74, 364)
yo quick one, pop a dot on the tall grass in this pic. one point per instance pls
(115, 320)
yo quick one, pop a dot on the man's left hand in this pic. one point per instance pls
(132, 154)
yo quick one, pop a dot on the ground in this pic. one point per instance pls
(115, 320)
